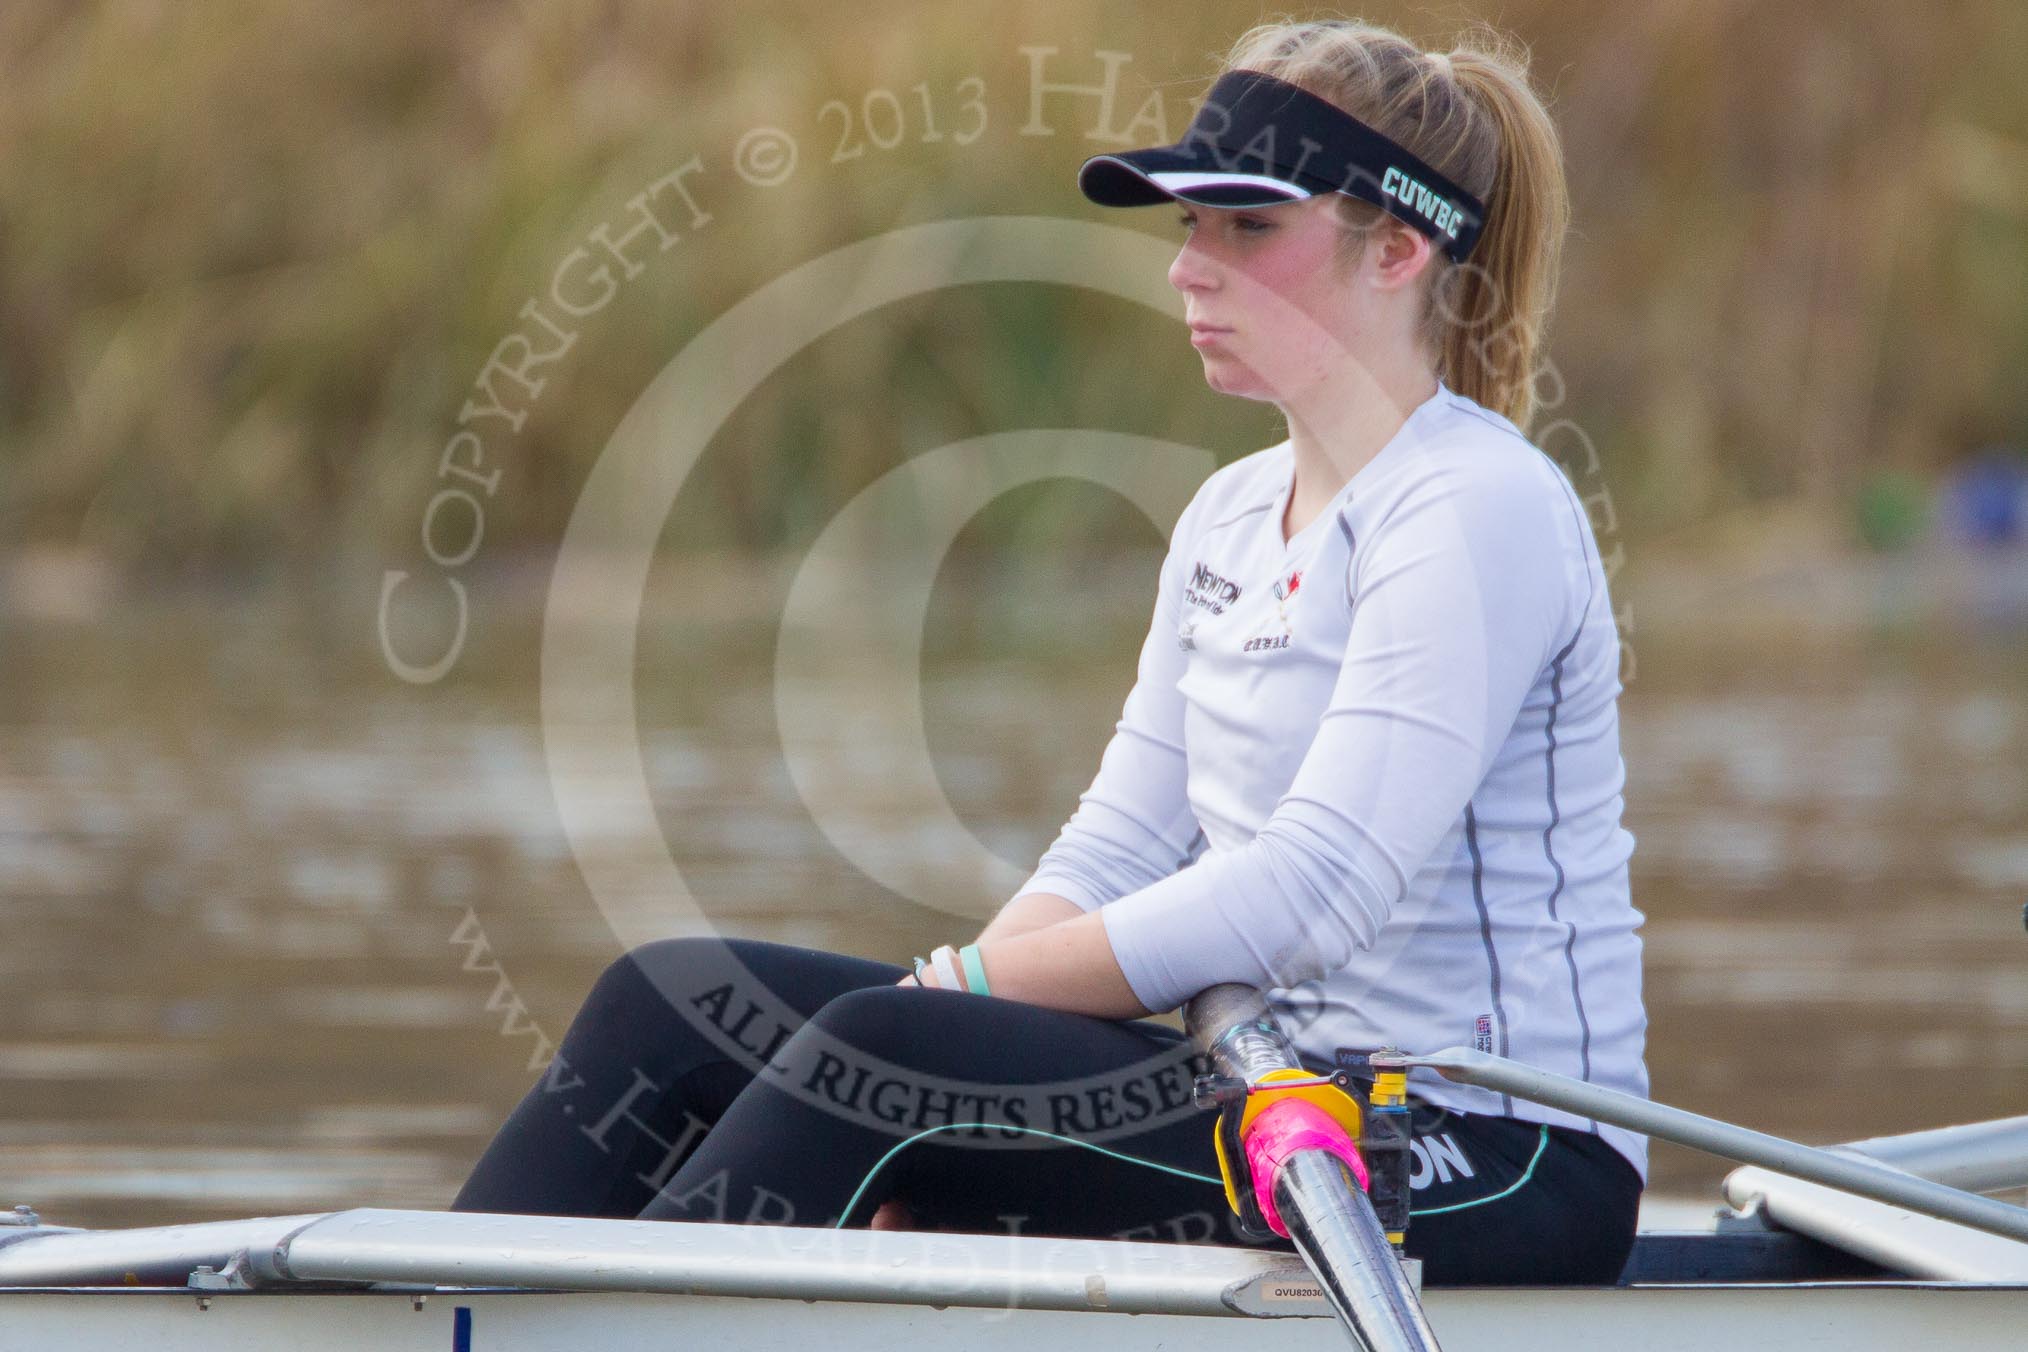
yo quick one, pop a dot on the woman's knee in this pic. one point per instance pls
(941, 1034)
(648, 980)
(873, 1012)
(708, 976)
(673, 964)
(894, 1023)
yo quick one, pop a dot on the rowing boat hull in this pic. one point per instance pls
(371, 1279)
(1851, 1317)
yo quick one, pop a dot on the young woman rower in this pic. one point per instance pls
(1370, 764)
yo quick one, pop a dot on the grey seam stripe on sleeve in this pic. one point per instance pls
(1486, 935)
(1549, 851)
(1549, 759)
(1351, 550)
(1239, 514)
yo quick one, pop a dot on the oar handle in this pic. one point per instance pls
(1233, 1025)
(1328, 1216)
(1211, 1012)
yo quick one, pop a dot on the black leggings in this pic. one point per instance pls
(727, 1080)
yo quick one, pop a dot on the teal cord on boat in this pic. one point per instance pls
(882, 1162)
(1541, 1144)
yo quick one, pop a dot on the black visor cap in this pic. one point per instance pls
(1258, 141)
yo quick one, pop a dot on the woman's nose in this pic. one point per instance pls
(1192, 271)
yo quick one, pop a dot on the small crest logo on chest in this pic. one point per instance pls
(1285, 589)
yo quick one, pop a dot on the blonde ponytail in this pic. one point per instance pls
(1472, 115)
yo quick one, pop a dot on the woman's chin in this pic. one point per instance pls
(1227, 376)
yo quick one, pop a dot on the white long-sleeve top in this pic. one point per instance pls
(1375, 768)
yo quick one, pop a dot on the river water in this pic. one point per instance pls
(282, 933)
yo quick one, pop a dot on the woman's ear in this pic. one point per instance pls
(1398, 254)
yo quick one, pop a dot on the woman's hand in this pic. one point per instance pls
(1025, 914)
(925, 974)
(893, 1215)
(1068, 966)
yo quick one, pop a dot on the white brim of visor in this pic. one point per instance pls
(1178, 183)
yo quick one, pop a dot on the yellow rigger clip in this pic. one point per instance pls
(1385, 1147)
(1390, 1097)
(1239, 1103)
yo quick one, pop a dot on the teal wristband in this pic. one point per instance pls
(975, 969)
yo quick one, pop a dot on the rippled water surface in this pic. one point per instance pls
(281, 933)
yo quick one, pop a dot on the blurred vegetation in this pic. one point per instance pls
(253, 254)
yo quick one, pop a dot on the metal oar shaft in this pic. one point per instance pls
(1843, 1171)
(1335, 1230)
(1329, 1217)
